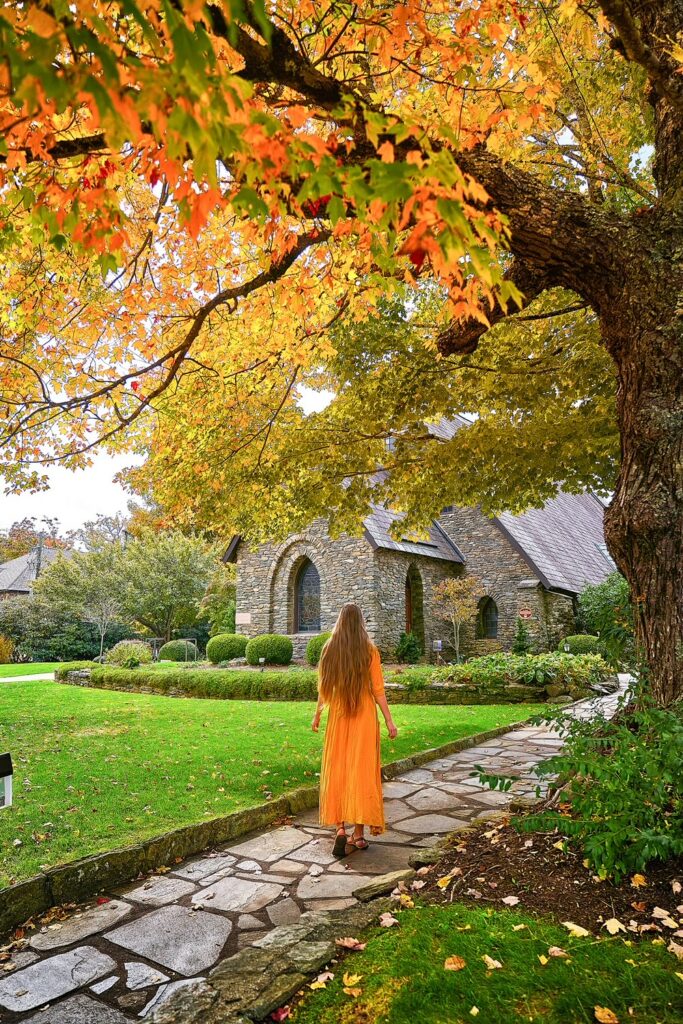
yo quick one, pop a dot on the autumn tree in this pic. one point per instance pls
(25, 536)
(456, 601)
(196, 196)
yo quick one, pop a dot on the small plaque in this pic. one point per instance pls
(437, 645)
(242, 618)
(525, 613)
(5, 780)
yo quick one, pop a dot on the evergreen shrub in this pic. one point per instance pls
(276, 649)
(314, 647)
(226, 646)
(179, 650)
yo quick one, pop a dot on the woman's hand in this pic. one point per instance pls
(392, 730)
(315, 724)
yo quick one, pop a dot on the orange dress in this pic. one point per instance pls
(350, 780)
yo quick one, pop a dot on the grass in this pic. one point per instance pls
(403, 980)
(28, 669)
(97, 769)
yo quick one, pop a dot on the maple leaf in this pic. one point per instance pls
(454, 963)
(605, 1016)
(613, 926)
(351, 979)
(387, 920)
(103, 899)
(676, 949)
(638, 881)
(510, 901)
(557, 951)
(575, 929)
(493, 965)
(282, 1013)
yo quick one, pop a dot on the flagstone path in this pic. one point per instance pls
(118, 961)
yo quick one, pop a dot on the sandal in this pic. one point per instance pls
(339, 848)
(356, 843)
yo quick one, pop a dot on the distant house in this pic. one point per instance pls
(17, 575)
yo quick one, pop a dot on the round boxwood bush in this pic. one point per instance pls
(179, 650)
(129, 654)
(581, 643)
(314, 647)
(226, 646)
(276, 649)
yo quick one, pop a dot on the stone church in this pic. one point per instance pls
(531, 566)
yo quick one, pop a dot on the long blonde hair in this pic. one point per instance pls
(344, 668)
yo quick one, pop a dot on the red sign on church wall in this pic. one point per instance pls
(525, 613)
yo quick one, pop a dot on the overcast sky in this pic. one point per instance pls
(76, 497)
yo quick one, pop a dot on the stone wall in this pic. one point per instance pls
(391, 569)
(266, 577)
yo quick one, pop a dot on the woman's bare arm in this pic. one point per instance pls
(384, 708)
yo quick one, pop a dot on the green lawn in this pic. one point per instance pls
(97, 769)
(32, 668)
(403, 980)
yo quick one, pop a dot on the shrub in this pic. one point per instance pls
(225, 646)
(522, 641)
(624, 782)
(409, 649)
(580, 643)
(539, 670)
(276, 649)
(129, 654)
(605, 609)
(314, 647)
(179, 650)
(73, 666)
(6, 650)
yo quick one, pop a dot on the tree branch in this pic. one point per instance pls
(634, 45)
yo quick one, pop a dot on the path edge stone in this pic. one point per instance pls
(80, 880)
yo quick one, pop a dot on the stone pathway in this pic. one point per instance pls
(118, 961)
(27, 679)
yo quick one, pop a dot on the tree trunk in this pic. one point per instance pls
(644, 523)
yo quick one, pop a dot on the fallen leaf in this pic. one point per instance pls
(454, 963)
(639, 905)
(679, 974)
(351, 979)
(282, 1013)
(543, 959)
(676, 887)
(405, 900)
(519, 927)
(418, 884)
(493, 965)
(557, 951)
(605, 1015)
(576, 929)
(387, 920)
(317, 984)
(445, 881)
(474, 1011)
(676, 949)
(464, 928)
(510, 901)
(355, 992)
(350, 943)
(560, 845)
(638, 881)
(613, 926)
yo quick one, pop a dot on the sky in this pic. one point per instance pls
(78, 497)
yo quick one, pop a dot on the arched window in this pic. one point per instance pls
(487, 619)
(307, 599)
(414, 603)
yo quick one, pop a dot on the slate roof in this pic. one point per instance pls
(17, 575)
(563, 541)
(436, 544)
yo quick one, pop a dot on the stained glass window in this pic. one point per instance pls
(307, 599)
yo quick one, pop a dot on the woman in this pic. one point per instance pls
(350, 683)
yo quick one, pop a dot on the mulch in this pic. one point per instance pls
(496, 861)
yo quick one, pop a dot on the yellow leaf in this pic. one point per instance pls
(519, 927)
(317, 984)
(613, 926)
(605, 1015)
(638, 881)
(679, 974)
(560, 845)
(454, 963)
(474, 1011)
(576, 929)
(543, 959)
(355, 992)
(445, 881)
(493, 965)
(351, 979)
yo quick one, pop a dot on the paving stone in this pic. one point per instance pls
(394, 810)
(284, 912)
(141, 976)
(272, 845)
(249, 923)
(78, 927)
(383, 884)
(432, 823)
(387, 837)
(102, 986)
(316, 905)
(183, 940)
(318, 851)
(491, 797)
(330, 886)
(196, 870)
(266, 876)
(417, 775)
(290, 867)
(160, 890)
(133, 1001)
(242, 894)
(311, 956)
(394, 790)
(24, 958)
(276, 994)
(281, 937)
(245, 939)
(249, 865)
(166, 991)
(431, 800)
(53, 977)
(376, 860)
(78, 1010)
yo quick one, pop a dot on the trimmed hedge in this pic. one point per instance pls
(581, 643)
(276, 649)
(73, 666)
(314, 647)
(226, 646)
(179, 650)
(225, 684)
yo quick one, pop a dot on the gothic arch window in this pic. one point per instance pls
(487, 619)
(307, 598)
(414, 603)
